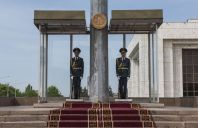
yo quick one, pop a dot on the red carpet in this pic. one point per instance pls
(91, 115)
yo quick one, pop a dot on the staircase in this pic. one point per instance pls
(79, 115)
(175, 117)
(23, 117)
(117, 115)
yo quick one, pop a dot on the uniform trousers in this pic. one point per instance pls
(123, 87)
(76, 87)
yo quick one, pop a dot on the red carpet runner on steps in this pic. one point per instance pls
(99, 115)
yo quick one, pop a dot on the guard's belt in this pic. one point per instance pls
(123, 68)
(77, 68)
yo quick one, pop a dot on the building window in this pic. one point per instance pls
(190, 72)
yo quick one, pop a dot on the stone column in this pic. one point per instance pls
(43, 67)
(154, 67)
(156, 82)
(137, 82)
(151, 68)
(133, 89)
(99, 55)
(168, 70)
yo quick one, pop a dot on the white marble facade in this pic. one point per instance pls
(172, 38)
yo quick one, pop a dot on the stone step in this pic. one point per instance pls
(175, 118)
(14, 118)
(21, 112)
(190, 118)
(117, 123)
(176, 124)
(49, 105)
(43, 124)
(169, 124)
(191, 124)
(24, 124)
(174, 112)
(166, 118)
(25, 113)
(152, 105)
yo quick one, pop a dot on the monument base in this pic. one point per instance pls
(75, 100)
(123, 100)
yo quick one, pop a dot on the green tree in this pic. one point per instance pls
(29, 92)
(53, 91)
(6, 88)
(19, 93)
(11, 91)
(3, 90)
(83, 92)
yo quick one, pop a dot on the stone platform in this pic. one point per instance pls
(60, 104)
(30, 117)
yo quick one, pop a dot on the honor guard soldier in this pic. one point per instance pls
(123, 73)
(76, 73)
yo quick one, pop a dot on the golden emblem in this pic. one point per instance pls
(99, 21)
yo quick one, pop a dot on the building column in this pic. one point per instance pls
(99, 55)
(130, 81)
(43, 76)
(155, 50)
(149, 65)
(143, 70)
(168, 70)
(178, 71)
(135, 88)
(153, 67)
(137, 77)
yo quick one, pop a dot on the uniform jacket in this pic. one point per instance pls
(123, 67)
(77, 67)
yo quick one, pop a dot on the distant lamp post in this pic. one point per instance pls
(8, 88)
(15, 92)
(15, 88)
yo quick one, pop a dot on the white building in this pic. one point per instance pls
(177, 61)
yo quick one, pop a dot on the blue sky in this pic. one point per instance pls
(19, 38)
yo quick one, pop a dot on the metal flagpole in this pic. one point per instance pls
(71, 47)
(124, 40)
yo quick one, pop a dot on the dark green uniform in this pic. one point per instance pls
(76, 70)
(123, 71)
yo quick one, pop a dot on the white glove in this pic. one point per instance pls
(72, 77)
(128, 78)
(118, 77)
(81, 78)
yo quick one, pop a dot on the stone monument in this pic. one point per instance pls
(99, 51)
